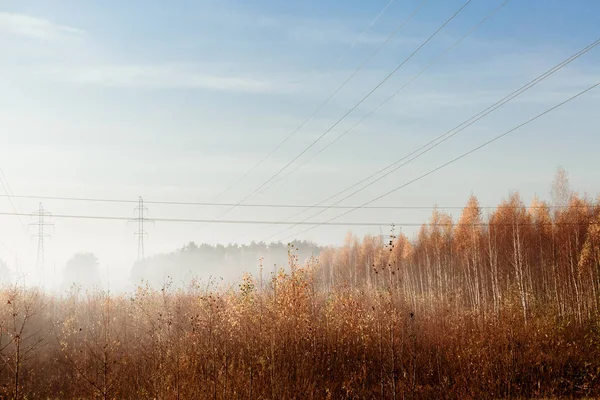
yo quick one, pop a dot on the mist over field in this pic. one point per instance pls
(318, 199)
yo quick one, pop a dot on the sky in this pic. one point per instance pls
(178, 100)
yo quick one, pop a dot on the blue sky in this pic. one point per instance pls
(177, 100)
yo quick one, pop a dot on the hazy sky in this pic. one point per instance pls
(176, 100)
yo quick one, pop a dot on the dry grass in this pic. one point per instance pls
(288, 341)
(506, 310)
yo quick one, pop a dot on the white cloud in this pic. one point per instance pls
(166, 76)
(335, 32)
(37, 28)
(321, 31)
(330, 34)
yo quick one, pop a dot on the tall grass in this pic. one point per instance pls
(503, 307)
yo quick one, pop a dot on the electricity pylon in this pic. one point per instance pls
(41, 223)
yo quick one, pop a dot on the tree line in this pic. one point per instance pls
(543, 255)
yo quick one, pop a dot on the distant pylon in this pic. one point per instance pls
(41, 223)
(141, 233)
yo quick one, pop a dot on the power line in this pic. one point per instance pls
(367, 29)
(268, 222)
(323, 104)
(447, 135)
(8, 191)
(1, 241)
(89, 199)
(263, 205)
(462, 155)
(351, 109)
(414, 78)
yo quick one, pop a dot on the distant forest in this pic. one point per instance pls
(229, 262)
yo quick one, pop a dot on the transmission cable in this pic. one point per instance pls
(367, 29)
(351, 109)
(457, 158)
(419, 74)
(264, 205)
(447, 135)
(8, 191)
(267, 222)
(323, 104)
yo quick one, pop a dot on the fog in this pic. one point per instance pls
(226, 263)
(204, 264)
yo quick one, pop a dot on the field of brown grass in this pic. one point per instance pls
(499, 307)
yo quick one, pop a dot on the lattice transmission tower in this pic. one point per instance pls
(141, 233)
(40, 215)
